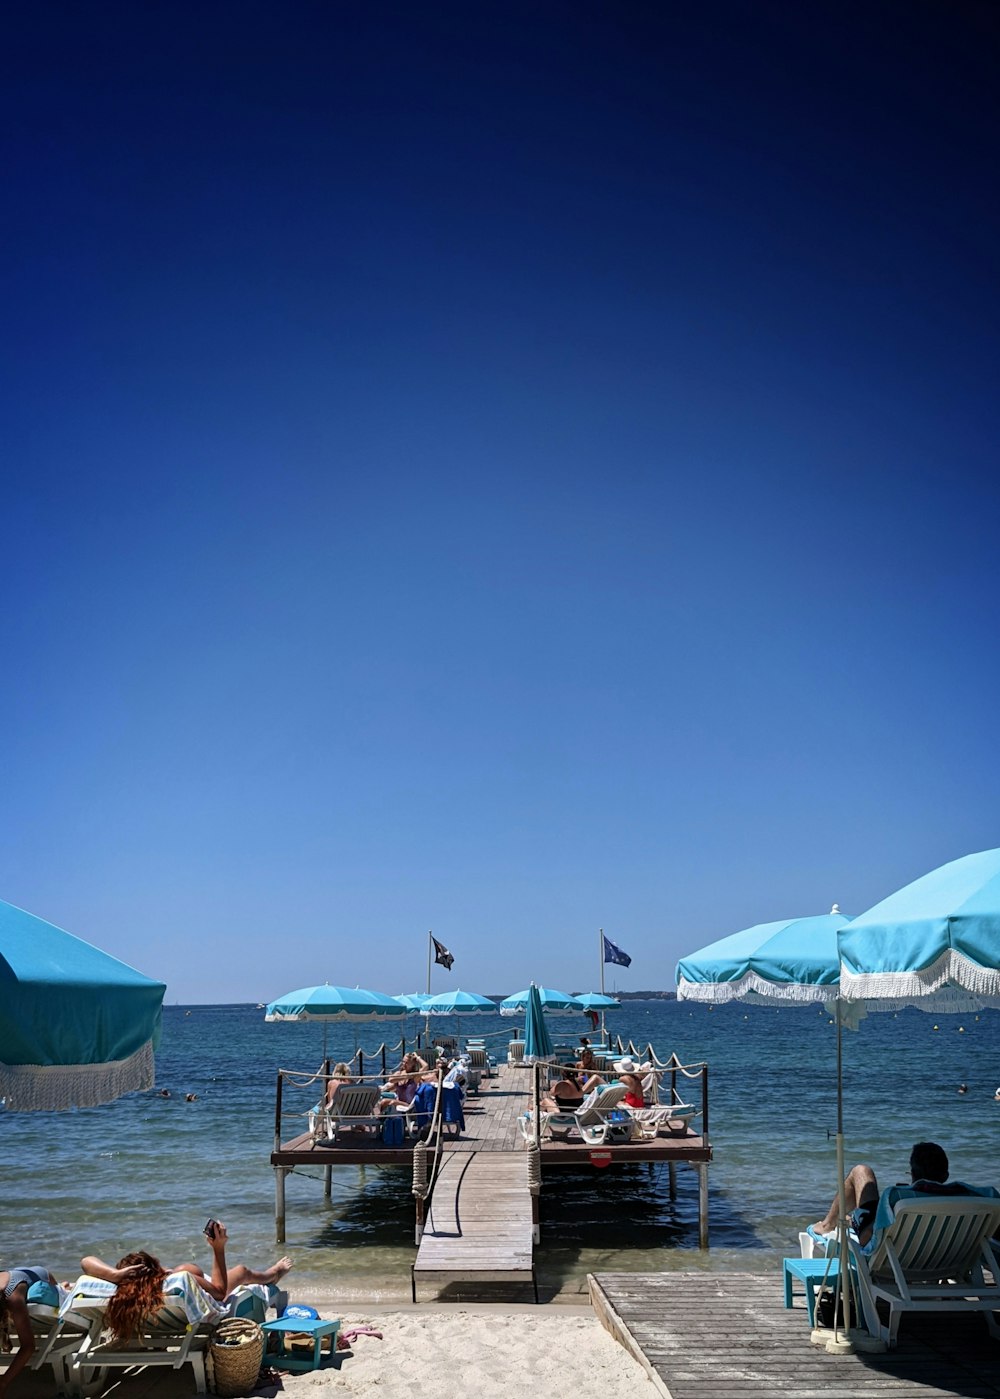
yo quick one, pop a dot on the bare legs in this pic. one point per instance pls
(860, 1188)
(241, 1274)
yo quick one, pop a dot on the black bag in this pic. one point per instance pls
(824, 1309)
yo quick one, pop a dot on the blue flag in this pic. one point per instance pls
(615, 954)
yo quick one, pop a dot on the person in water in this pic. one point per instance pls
(139, 1279)
(928, 1174)
(14, 1284)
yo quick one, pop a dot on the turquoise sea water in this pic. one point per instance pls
(148, 1171)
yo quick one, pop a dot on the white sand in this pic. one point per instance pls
(455, 1352)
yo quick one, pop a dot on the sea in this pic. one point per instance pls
(148, 1171)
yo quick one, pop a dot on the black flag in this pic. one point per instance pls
(441, 955)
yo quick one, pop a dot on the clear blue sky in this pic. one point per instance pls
(504, 469)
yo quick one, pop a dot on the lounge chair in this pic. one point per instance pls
(590, 1119)
(175, 1335)
(927, 1254)
(479, 1064)
(675, 1118)
(351, 1107)
(515, 1052)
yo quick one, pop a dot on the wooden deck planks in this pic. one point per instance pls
(479, 1222)
(702, 1335)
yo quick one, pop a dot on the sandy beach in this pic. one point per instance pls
(439, 1351)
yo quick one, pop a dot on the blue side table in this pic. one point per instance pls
(810, 1271)
(315, 1327)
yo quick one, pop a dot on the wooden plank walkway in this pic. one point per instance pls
(707, 1334)
(479, 1221)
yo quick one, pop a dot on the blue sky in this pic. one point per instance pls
(508, 470)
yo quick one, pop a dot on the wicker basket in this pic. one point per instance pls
(237, 1350)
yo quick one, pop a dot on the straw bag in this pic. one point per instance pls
(237, 1349)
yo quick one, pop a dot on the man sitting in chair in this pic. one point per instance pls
(928, 1176)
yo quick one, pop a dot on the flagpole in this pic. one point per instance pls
(604, 1033)
(427, 1019)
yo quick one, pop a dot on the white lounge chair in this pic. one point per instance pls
(175, 1335)
(351, 1106)
(675, 1118)
(930, 1258)
(590, 1118)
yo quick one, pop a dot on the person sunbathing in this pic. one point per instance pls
(14, 1284)
(564, 1096)
(139, 1280)
(341, 1074)
(632, 1084)
(928, 1174)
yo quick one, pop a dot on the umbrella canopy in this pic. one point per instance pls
(77, 1027)
(458, 1003)
(596, 1000)
(552, 1002)
(793, 960)
(413, 1000)
(335, 1003)
(934, 944)
(537, 1040)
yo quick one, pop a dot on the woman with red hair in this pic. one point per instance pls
(139, 1280)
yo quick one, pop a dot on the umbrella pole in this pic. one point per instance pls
(840, 1343)
(604, 1033)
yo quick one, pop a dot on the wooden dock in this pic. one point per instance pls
(701, 1335)
(487, 1163)
(479, 1222)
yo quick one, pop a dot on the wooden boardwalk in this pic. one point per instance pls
(708, 1334)
(479, 1222)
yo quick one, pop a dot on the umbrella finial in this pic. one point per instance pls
(835, 909)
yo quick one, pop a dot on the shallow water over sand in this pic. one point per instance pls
(148, 1171)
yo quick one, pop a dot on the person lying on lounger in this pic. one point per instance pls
(14, 1284)
(564, 1096)
(928, 1174)
(139, 1278)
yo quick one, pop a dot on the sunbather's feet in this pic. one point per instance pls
(278, 1271)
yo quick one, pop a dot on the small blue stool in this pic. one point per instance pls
(315, 1327)
(810, 1271)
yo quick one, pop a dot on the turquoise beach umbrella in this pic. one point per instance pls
(537, 1040)
(552, 1002)
(596, 1000)
(77, 1027)
(458, 1003)
(934, 944)
(335, 1003)
(413, 1000)
(792, 961)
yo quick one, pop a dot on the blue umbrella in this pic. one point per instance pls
(413, 1000)
(794, 960)
(596, 1000)
(934, 944)
(552, 1002)
(335, 1003)
(458, 1003)
(77, 1027)
(537, 1040)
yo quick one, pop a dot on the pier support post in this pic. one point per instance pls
(703, 1204)
(279, 1204)
(672, 1170)
(327, 1182)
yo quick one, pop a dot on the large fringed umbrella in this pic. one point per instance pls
(934, 944)
(77, 1027)
(790, 962)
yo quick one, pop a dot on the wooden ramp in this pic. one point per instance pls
(479, 1222)
(704, 1335)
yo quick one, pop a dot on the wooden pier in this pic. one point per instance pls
(457, 1235)
(700, 1335)
(479, 1223)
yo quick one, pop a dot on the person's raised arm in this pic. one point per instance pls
(219, 1284)
(17, 1311)
(95, 1268)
